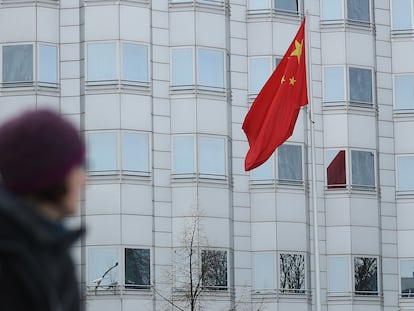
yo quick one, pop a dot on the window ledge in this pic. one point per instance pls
(344, 107)
(405, 195)
(189, 179)
(402, 34)
(116, 177)
(29, 88)
(402, 114)
(351, 190)
(275, 15)
(202, 91)
(115, 86)
(347, 25)
(26, 3)
(144, 3)
(199, 5)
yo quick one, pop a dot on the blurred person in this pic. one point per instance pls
(41, 177)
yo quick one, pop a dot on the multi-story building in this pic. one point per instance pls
(160, 90)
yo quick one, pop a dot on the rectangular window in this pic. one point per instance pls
(292, 273)
(401, 14)
(289, 163)
(103, 151)
(182, 67)
(134, 62)
(210, 67)
(404, 92)
(332, 10)
(405, 173)
(363, 171)
(366, 276)
(360, 85)
(212, 156)
(258, 4)
(48, 60)
(334, 90)
(336, 169)
(135, 154)
(183, 155)
(102, 62)
(17, 63)
(264, 271)
(259, 72)
(358, 10)
(137, 268)
(290, 6)
(264, 171)
(214, 269)
(338, 272)
(407, 278)
(103, 272)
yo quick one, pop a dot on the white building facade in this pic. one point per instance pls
(160, 90)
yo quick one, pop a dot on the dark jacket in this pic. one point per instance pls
(36, 270)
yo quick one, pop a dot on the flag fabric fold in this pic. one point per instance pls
(273, 114)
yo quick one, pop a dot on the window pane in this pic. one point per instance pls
(407, 278)
(137, 267)
(358, 10)
(332, 9)
(182, 67)
(292, 273)
(401, 14)
(286, 5)
(102, 151)
(336, 171)
(404, 92)
(103, 267)
(360, 84)
(102, 62)
(18, 63)
(405, 171)
(258, 4)
(212, 156)
(334, 84)
(214, 269)
(48, 63)
(338, 271)
(135, 152)
(259, 72)
(183, 157)
(210, 68)
(264, 271)
(289, 164)
(264, 171)
(363, 168)
(365, 273)
(134, 62)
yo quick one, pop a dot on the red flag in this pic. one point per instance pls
(272, 116)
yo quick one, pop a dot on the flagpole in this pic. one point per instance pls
(313, 160)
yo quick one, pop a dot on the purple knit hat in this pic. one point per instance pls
(37, 150)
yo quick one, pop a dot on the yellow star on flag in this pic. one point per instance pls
(298, 50)
(283, 80)
(292, 81)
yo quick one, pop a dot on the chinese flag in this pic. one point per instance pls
(272, 116)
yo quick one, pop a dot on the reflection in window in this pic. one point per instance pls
(214, 269)
(286, 5)
(358, 10)
(182, 66)
(103, 272)
(292, 273)
(259, 72)
(404, 91)
(137, 268)
(401, 14)
(332, 9)
(210, 68)
(135, 152)
(102, 62)
(134, 62)
(17, 63)
(264, 271)
(365, 274)
(48, 64)
(338, 272)
(363, 173)
(102, 150)
(289, 164)
(183, 155)
(360, 85)
(407, 278)
(334, 91)
(336, 171)
(405, 173)
(264, 171)
(212, 156)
